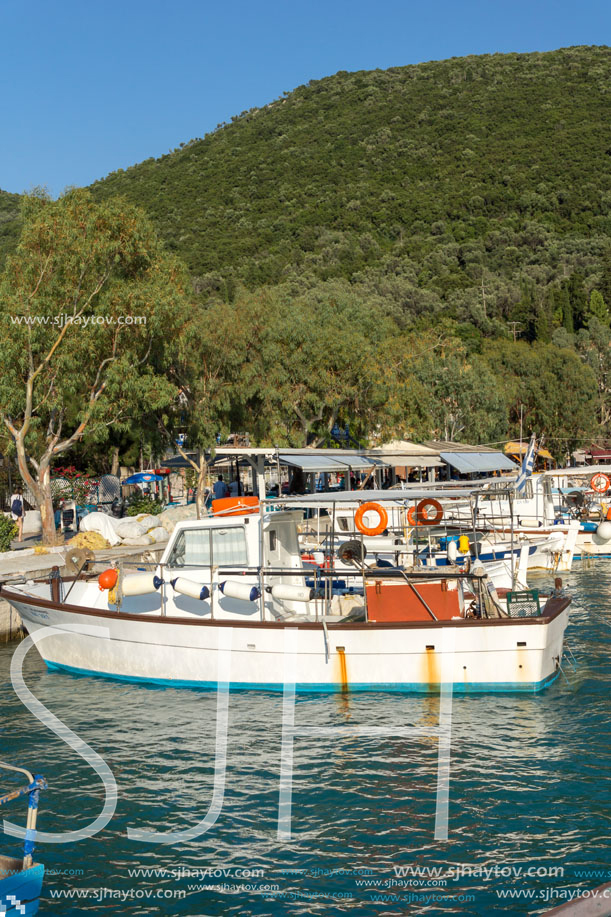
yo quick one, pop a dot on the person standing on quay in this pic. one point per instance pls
(220, 488)
(17, 511)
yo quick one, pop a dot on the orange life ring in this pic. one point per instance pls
(600, 483)
(367, 508)
(418, 515)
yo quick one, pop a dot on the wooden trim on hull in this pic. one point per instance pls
(554, 607)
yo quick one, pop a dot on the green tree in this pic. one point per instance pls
(459, 397)
(594, 345)
(209, 369)
(557, 391)
(597, 308)
(89, 303)
(312, 361)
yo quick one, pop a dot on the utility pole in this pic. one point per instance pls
(484, 294)
(514, 327)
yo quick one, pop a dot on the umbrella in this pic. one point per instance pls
(143, 477)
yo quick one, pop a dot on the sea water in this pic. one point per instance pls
(529, 794)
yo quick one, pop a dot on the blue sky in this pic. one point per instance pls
(89, 87)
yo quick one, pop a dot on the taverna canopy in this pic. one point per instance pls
(515, 448)
(478, 462)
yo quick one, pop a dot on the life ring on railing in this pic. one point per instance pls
(600, 483)
(371, 508)
(418, 515)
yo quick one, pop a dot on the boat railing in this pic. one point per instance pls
(421, 573)
(35, 784)
(324, 578)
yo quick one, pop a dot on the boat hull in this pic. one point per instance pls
(20, 889)
(518, 654)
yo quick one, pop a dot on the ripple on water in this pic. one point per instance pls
(529, 788)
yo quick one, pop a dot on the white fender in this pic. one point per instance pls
(604, 531)
(289, 593)
(234, 589)
(140, 583)
(188, 587)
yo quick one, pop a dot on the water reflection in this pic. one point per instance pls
(529, 785)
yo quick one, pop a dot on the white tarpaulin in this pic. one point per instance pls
(105, 525)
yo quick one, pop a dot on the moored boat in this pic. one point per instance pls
(21, 879)
(235, 588)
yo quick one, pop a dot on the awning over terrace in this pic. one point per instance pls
(320, 463)
(478, 462)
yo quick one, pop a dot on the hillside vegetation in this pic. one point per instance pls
(419, 182)
(9, 223)
(422, 251)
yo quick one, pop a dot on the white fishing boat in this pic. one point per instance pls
(477, 519)
(584, 494)
(232, 595)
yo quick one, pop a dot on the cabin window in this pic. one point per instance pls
(192, 547)
(342, 524)
(273, 538)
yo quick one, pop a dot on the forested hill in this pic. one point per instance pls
(420, 253)
(463, 185)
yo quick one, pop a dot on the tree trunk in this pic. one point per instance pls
(45, 505)
(115, 461)
(201, 486)
(47, 518)
(41, 489)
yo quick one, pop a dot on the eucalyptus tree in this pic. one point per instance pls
(89, 302)
(207, 369)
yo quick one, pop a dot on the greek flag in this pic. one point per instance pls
(527, 464)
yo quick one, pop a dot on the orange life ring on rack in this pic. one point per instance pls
(418, 515)
(600, 483)
(371, 508)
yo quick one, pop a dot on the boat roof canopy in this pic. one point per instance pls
(375, 496)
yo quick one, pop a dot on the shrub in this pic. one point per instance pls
(141, 503)
(8, 531)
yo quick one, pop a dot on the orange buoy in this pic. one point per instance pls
(235, 506)
(108, 579)
(609, 514)
(371, 508)
(600, 483)
(420, 515)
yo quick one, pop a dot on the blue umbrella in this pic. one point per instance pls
(143, 477)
